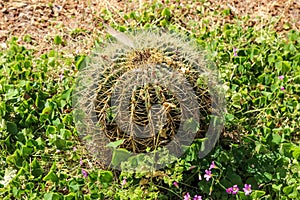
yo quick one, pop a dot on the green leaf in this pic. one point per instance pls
(163, 23)
(52, 61)
(47, 110)
(31, 119)
(66, 95)
(74, 186)
(256, 194)
(53, 167)
(166, 13)
(66, 134)
(11, 93)
(70, 196)
(51, 176)
(296, 152)
(229, 117)
(15, 159)
(29, 186)
(39, 141)
(57, 40)
(268, 176)
(276, 138)
(295, 194)
(277, 187)
(288, 189)
(27, 38)
(286, 26)
(285, 67)
(15, 191)
(236, 100)
(48, 196)
(51, 130)
(258, 146)
(234, 178)
(81, 62)
(285, 149)
(106, 176)
(36, 169)
(26, 151)
(51, 196)
(115, 144)
(11, 128)
(60, 143)
(122, 28)
(241, 195)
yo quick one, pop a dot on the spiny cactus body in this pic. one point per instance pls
(144, 91)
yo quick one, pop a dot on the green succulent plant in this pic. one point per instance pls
(144, 88)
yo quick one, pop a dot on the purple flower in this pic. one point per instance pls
(84, 172)
(207, 175)
(235, 189)
(282, 88)
(235, 51)
(212, 165)
(281, 77)
(229, 190)
(187, 196)
(175, 184)
(197, 197)
(247, 189)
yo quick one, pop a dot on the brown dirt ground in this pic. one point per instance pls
(43, 19)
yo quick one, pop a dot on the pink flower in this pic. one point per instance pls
(212, 165)
(207, 175)
(197, 197)
(187, 196)
(80, 162)
(235, 189)
(247, 189)
(61, 76)
(281, 77)
(229, 190)
(232, 190)
(124, 182)
(235, 51)
(175, 184)
(282, 87)
(74, 148)
(84, 172)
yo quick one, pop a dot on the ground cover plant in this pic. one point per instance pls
(257, 156)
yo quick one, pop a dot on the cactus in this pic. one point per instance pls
(144, 88)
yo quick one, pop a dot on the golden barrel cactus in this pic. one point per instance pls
(151, 90)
